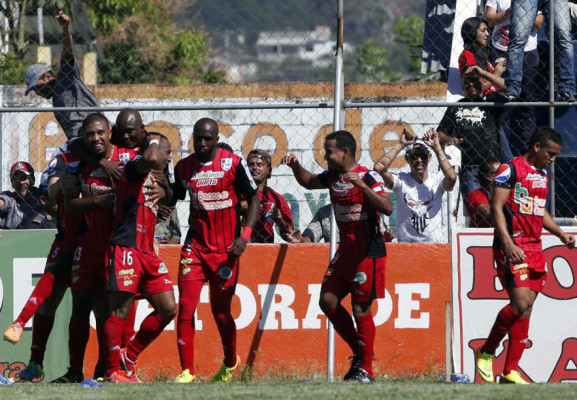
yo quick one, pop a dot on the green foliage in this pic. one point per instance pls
(123, 63)
(409, 33)
(12, 69)
(373, 62)
(106, 15)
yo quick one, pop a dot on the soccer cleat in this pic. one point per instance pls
(184, 377)
(356, 363)
(484, 363)
(127, 365)
(99, 375)
(32, 371)
(70, 377)
(225, 373)
(361, 376)
(120, 377)
(513, 377)
(13, 333)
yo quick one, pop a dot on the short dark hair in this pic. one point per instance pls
(485, 168)
(545, 134)
(92, 118)
(224, 146)
(344, 140)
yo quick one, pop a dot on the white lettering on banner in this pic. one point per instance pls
(312, 320)
(407, 305)
(384, 309)
(248, 308)
(269, 307)
(23, 270)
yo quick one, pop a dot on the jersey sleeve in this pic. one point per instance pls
(284, 209)
(506, 176)
(476, 198)
(375, 181)
(466, 59)
(178, 189)
(244, 182)
(57, 167)
(324, 178)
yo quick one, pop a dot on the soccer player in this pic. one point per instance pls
(50, 289)
(215, 179)
(134, 267)
(96, 205)
(519, 214)
(358, 197)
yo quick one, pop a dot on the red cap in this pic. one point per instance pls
(22, 166)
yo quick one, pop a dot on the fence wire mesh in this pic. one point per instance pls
(164, 58)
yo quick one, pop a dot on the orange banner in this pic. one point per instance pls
(281, 327)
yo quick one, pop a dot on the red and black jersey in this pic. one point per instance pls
(68, 225)
(94, 181)
(264, 228)
(359, 223)
(215, 189)
(135, 217)
(525, 206)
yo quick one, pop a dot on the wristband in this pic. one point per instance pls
(246, 233)
(442, 159)
(154, 141)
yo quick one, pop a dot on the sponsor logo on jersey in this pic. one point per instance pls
(349, 213)
(98, 173)
(125, 272)
(524, 277)
(520, 266)
(162, 269)
(186, 270)
(503, 174)
(226, 163)
(52, 164)
(536, 177)
(167, 282)
(207, 174)
(360, 278)
(225, 272)
(185, 261)
(128, 283)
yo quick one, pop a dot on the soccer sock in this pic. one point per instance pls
(113, 332)
(220, 305)
(505, 320)
(185, 329)
(41, 292)
(343, 324)
(518, 336)
(102, 346)
(366, 329)
(151, 327)
(79, 332)
(41, 329)
(128, 330)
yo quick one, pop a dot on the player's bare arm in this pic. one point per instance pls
(513, 252)
(78, 147)
(381, 202)
(431, 139)
(549, 224)
(303, 177)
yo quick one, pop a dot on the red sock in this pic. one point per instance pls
(220, 305)
(128, 330)
(79, 332)
(518, 336)
(189, 295)
(344, 326)
(41, 329)
(151, 327)
(366, 329)
(41, 292)
(113, 332)
(505, 320)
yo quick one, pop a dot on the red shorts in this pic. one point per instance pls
(219, 269)
(59, 262)
(88, 267)
(363, 278)
(531, 273)
(135, 271)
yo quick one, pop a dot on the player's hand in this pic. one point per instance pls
(154, 193)
(64, 21)
(354, 178)
(291, 161)
(514, 254)
(112, 168)
(105, 200)
(389, 235)
(164, 212)
(70, 186)
(295, 236)
(568, 240)
(237, 247)
(160, 178)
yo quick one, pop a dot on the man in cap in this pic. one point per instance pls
(419, 193)
(17, 206)
(274, 208)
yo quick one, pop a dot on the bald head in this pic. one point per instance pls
(206, 125)
(205, 138)
(129, 128)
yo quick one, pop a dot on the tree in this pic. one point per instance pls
(409, 33)
(373, 62)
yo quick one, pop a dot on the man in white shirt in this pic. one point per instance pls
(419, 193)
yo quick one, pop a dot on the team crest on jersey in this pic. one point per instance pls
(162, 269)
(226, 163)
(124, 157)
(503, 174)
(360, 278)
(225, 272)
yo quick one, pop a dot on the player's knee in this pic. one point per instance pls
(168, 313)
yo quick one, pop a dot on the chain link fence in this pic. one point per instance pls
(163, 59)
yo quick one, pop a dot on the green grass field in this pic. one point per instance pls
(383, 389)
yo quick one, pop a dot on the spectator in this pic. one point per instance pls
(45, 218)
(419, 193)
(168, 230)
(17, 206)
(523, 14)
(479, 201)
(476, 130)
(498, 14)
(274, 208)
(475, 34)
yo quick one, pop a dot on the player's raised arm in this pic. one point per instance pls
(303, 177)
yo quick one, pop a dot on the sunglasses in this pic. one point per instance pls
(418, 154)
